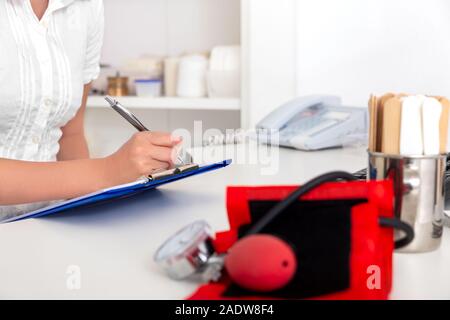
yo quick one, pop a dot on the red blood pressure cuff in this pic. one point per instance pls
(342, 251)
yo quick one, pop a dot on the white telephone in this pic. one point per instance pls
(313, 123)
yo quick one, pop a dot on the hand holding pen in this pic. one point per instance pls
(135, 122)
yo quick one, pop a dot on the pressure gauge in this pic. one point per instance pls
(187, 252)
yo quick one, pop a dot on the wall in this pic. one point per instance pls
(269, 55)
(353, 47)
(168, 27)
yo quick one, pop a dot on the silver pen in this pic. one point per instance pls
(132, 119)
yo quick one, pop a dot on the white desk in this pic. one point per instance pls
(114, 244)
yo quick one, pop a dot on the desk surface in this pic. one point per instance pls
(113, 244)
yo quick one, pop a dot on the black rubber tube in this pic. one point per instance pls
(399, 225)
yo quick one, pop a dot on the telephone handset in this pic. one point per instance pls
(313, 123)
(279, 118)
(306, 123)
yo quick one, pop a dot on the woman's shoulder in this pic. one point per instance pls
(92, 8)
(93, 5)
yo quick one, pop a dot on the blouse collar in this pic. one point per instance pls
(58, 4)
(55, 4)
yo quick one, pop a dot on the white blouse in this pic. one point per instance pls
(43, 67)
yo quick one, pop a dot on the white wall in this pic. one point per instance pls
(168, 27)
(269, 55)
(353, 47)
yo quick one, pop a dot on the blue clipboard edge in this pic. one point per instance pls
(116, 192)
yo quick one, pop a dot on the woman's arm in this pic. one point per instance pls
(25, 182)
(73, 145)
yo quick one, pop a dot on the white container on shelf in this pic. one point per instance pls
(225, 58)
(171, 76)
(192, 76)
(144, 67)
(148, 87)
(224, 74)
(223, 84)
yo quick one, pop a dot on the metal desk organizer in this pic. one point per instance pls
(419, 187)
(447, 194)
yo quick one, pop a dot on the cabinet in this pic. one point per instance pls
(163, 28)
(265, 30)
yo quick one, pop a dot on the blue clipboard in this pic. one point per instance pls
(117, 192)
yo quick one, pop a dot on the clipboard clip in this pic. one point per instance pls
(162, 174)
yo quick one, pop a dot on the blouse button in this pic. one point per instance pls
(45, 23)
(35, 139)
(48, 103)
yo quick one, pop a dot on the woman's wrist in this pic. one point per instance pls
(116, 171)
(109, 171)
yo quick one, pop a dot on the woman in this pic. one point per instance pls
(49, 54)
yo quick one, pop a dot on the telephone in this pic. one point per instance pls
(313, 123)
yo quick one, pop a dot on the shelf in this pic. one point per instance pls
(170, 103)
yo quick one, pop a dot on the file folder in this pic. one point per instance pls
(118, 192)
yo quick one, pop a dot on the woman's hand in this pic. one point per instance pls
(143, 154)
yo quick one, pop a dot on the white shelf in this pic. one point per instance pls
(170, 103)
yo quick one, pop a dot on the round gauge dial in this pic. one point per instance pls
(185, 252)
(183, 240)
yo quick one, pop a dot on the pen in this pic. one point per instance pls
(131, 118)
